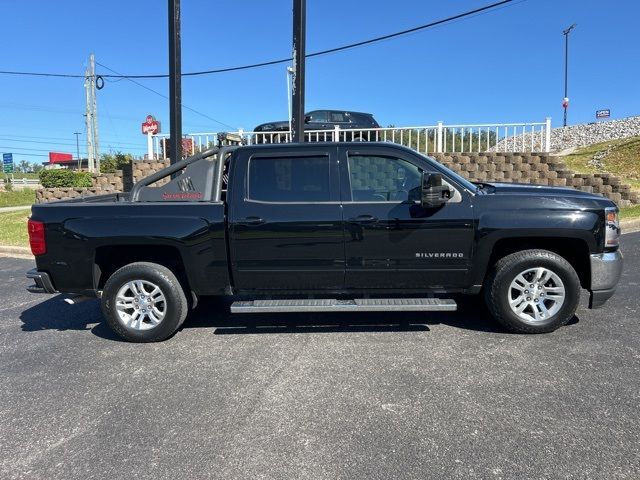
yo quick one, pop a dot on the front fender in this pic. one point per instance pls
(529, 225)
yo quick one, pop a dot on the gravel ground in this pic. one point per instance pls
(337, 396)
(581, 135)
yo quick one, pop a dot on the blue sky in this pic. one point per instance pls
(501, 66)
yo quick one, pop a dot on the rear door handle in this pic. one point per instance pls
(364, 219)
(251, 221)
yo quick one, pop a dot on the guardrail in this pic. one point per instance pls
(25, 181)
(439, 138)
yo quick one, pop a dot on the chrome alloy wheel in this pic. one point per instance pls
(536, 294)
(140, 305)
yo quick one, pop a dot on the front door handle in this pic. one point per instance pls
(251, 221)
(363, 219)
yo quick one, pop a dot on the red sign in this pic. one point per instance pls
(150, 125)
(58, 157)
(565, 102)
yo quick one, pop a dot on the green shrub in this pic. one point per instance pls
(110, 162)
(82, 179)
(8, 186)
(64, 178)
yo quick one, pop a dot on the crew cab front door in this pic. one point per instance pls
(391, 242)
(285, 220)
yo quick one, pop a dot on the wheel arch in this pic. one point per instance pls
(109, 258)
(573, 249)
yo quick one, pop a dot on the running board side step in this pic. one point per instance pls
(355, 305)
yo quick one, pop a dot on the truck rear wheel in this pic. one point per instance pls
(532, 291)
(144, 302)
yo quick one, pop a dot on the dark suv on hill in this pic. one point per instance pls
(326, 120)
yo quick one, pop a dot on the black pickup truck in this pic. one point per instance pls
(342, 227)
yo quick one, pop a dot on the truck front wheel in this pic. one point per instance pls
(532, 291)
(144, 302)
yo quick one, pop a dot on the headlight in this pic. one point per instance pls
(612, 227)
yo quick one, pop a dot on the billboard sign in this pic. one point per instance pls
(606, 113)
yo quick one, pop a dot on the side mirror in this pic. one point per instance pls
(434, 194)
(307, 118)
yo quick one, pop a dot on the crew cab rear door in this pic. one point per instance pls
(285, 219)
(391, 242)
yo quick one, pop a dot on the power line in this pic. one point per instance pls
(120, 144)
(13, 147)
(31, 154)
(16, 106)
(124, 77)
(60, 138)
(283, 60)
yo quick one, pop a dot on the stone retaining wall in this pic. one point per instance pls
(120, 181)
(136, 171)
(108, 181)
(534, 168)
(51, 194)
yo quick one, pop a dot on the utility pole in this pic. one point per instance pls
(565, 100)
(94, 107)
(91, 116)
(297, 92)
(77, 134)
(175, 83)
(88, 120)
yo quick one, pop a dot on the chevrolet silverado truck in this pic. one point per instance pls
(336, 227)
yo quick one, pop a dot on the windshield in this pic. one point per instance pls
(453, 175)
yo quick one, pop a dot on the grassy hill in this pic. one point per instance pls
(618, 157)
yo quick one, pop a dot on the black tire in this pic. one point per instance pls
(498, 286)
(176, 304)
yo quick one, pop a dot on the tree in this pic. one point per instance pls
(23, 166)
(110, 162)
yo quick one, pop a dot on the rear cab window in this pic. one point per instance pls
(290, 179)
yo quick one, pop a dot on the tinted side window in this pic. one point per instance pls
(377, 178)
(319, 116)
(303, 179)
(363, 119)
(338, 117)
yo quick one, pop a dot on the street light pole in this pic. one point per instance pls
(77, 134)
(289, 75)
(565, 101)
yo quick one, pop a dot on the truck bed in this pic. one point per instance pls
(85, 238)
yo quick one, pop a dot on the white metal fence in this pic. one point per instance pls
(439, 138)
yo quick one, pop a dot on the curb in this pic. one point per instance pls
(630, 226)
(10, 250)
(17, 208)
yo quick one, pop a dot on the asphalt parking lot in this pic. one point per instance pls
(339, 396)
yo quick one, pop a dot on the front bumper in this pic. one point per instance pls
(42, 282)
(606, 270)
